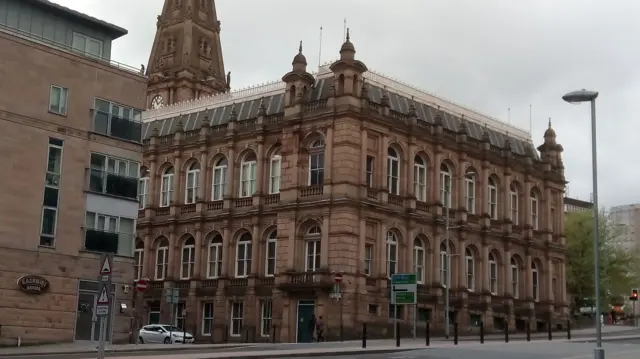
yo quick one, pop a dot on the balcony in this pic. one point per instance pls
(264, 286)
(307, 282)
(236, 287)
(116, 127)
(96, 240)
(112, 184)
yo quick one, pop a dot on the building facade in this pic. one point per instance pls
(252, 201)
(70, 140)
(626, 218)
(576, 205)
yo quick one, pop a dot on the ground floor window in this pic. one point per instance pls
(265, 317)
(154, 317)
(237, 316)
(207, 318)
(179, 316)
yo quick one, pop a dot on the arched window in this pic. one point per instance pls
(444, 265)
(313, 253)
(534, 281)
(188, 259)
(470, 264)
(316, 163)
(248, 175)
(166, 187)
(392, 253)
(243, 256)
(219, 182)
(292, 95)
(418, 260)
(513, 215)
(470, 192)
(214, 257)
(270, 260)
(393, 171)
(138, 257)
(492, 199)
(493, 274)
(275, 173)
(515, 278)
(420, 179)
(162, 259)
(535, 218)
(193, 182)
(445, 185)
(143, 190)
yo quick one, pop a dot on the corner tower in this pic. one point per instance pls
(186, 58)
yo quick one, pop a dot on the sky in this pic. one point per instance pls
(489, 55)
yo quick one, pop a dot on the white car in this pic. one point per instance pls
(163, 333)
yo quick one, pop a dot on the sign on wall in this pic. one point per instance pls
(33, 284)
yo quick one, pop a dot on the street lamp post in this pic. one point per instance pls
(576, 97)
(447, 204)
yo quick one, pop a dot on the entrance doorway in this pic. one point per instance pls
(87, 325)
(306, 308)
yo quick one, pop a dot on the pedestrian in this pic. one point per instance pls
(312, 326)
(320, 330)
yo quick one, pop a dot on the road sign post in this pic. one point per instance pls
(404, 289)
(103, 304)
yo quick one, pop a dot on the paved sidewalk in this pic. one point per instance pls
(228, 349)
(312, 352)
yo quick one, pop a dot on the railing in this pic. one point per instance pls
(114, 184)
(311, 191)
(163, 211)
(306, 278)
(156, 284)
(188, 208)
(244, 202)
(117, 127)
(315, 105)
(101, 241)
(272, 199)
(422, 206)
(215, 205)
(395, 200)
(372, 193)
(67, 48)
(265, 281)
(238, 282)
(209, 283)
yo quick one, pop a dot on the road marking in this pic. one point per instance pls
(608, 355)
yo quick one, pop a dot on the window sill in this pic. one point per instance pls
(57, 114)
(139, 143)
(112, 196)
(99, 254)
(50, 249)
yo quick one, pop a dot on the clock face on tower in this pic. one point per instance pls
(157, 102)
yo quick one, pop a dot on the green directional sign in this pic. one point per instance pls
(403, 289)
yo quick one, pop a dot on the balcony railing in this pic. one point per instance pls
(96, 240)
(117, 127)
(112, 184)
(67, 48)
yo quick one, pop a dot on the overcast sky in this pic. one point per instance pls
(490, 55)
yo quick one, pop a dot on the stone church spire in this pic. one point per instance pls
(186, 58)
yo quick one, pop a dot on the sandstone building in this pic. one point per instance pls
(252, 200)
(71, 151)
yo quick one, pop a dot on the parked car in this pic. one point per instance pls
(163, 333)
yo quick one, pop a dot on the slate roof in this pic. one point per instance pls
(275, 104)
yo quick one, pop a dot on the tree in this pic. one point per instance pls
(618, 268)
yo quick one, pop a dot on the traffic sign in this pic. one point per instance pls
(173, 295)
(107, 263)
(403, 289)
(142, 284)
(337, 278)
(102, 304)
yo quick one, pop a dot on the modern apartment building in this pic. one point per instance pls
(70, 142)
(251, 201)
(627, 221)
(576, 205)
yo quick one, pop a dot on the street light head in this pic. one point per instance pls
(579, 96)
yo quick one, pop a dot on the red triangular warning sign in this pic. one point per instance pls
(104, 297)
(106, 266)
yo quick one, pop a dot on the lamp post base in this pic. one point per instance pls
(598, 353)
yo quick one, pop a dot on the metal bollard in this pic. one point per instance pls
(506, 332)
(427, 335)
(549, 330)
(569, 329)
(455, 333)
(364, 335)
(481, 332)
(528, 331)
(397, 334)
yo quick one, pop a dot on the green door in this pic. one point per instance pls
(306, 309)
